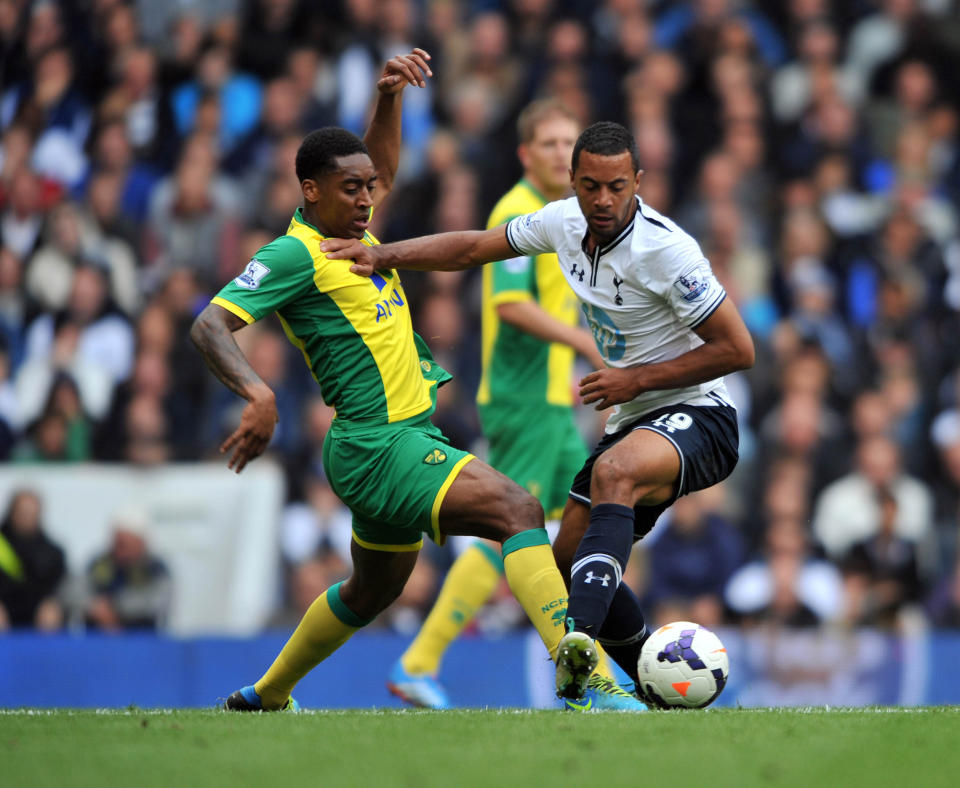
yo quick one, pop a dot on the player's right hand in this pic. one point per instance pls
(250, 439)
(403, 70)
(364, 257)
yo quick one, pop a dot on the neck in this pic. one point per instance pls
(310, 217)
(548, 194)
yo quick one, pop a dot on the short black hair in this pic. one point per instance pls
(320, 148)
(607, 139)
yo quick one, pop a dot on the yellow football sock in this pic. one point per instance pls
(604, 668)
(470, 582)
(537, 585)
(327, 625)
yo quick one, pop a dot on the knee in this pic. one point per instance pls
(521, 512)
(609, 481)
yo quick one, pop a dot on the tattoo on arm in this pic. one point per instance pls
(212, 334)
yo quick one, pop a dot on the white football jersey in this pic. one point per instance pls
(642, 294)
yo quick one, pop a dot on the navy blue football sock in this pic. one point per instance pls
(598, 566)
(624, 632)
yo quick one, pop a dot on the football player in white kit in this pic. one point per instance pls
(667, 334)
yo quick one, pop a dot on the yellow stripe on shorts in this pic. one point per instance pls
(388, 548)
(442, 493)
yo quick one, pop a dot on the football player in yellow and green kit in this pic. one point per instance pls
(525, 402)
(383, 456)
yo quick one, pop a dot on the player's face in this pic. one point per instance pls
(340, 201)
(605, 187)
(546, 158)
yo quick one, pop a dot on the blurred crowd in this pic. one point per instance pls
(811, 146)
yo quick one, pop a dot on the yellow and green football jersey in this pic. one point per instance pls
(355, 332)
(518, 367)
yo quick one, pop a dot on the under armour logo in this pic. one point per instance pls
(591, 577)
(616, 283)
(574, 271)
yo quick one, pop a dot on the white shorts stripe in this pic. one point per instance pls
(602, 558)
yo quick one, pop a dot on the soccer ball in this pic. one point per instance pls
(682, 665)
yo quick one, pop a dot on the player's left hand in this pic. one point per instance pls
(608, 387)
(403, 70)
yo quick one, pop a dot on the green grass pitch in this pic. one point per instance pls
(535, 749)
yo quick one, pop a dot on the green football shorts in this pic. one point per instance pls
(394, 478)
(538, 446)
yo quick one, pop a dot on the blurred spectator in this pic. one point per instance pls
(119, 185)
(830, 126)
(268, 29)
(52, 107)
(36, 377)
(46, 439)
(881, 573)
(22, 217)
(31, 567)
(793, 86)
(281, 116)
(311, 72)
(71, 241)
(801, 426)
(106, 337)
(194, 221)
(127, 587)
(816, 318)
(317, 525)
(879, 38)
(787, 586)
(848, 511)
(692, 557)
(693, 28)
(237, 95)
(138, 99)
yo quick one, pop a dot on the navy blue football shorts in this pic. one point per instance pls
(705, 437)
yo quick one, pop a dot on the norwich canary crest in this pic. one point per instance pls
(436, 457)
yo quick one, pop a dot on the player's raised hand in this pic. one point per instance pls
(403, 70)
(365, 258)
(608, 387)
(250, 439)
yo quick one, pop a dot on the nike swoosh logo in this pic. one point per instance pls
(580, 706)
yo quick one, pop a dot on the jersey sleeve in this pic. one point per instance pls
(686, 281)
(534, 233)
(513, 280)
(276, 274)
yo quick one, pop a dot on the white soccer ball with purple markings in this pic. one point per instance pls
(683, 665)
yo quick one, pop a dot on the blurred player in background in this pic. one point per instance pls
(667, 334)
(383, 456)
(525, 401)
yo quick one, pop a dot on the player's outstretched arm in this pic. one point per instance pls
(727, 347)
(442, 252)
(212, 333)
(383, 136)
